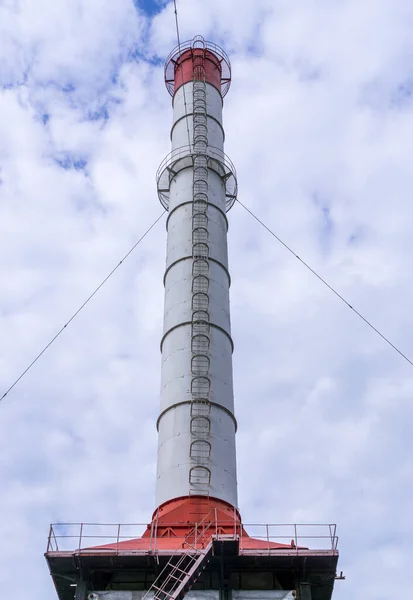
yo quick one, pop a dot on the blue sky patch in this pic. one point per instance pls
(321, 203)
(68, 88)
(70, 161)
(100, 113)
(150, 7)
(402, 95)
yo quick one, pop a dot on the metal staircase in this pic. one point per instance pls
(180, 573)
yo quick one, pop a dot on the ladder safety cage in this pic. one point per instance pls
(200, 204)
(200, 344)
(200, 250)
(200, 284)
(201, 449)
(200, 266)
(200, 364)
(200, 219)
(200, 187)
(200, 387)
(200, 235)
(200, 301)
(200, 408)
(201, 425)
(200, 327)
(200, 315)
(199, 475)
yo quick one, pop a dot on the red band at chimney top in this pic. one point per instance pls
(186, 64)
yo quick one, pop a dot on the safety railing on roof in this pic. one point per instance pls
(86, 538)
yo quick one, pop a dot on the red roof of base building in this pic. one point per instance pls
(191, 521)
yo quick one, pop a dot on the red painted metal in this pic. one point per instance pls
(184, 67)
(174, 526)
(194, 508)
(180, 65)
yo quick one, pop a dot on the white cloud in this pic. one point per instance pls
(319, 125)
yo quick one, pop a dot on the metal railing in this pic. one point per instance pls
(171, 62)
(183, 157)
(86, 537)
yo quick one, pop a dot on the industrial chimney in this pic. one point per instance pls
(196, 543)
(197, 185)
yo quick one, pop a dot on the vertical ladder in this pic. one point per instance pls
(179, 574)
(200, 421)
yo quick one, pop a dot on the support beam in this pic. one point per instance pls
(81, 590)
(305, 591)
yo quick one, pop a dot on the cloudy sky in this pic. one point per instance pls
(319, 123)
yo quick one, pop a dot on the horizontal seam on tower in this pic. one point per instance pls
(192, 81)
(170, 213)
(230, 413)
(190, 115)
(185, 323)
(214, 260)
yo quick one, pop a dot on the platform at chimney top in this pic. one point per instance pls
(120, 557)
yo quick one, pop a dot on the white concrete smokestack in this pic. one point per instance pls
(197, 184)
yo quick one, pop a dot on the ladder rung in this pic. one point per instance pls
(172, 576)
(181, 571)
(182, 576)
(162, 591)
(177, 570)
